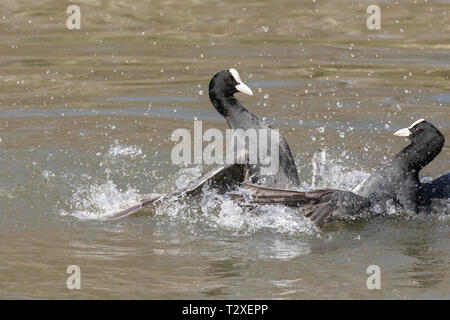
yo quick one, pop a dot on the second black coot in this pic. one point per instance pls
(397, 181)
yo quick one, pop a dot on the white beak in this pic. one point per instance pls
(403, 132)
(241, 86)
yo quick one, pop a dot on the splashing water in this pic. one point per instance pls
(330, 173)
(118, 150)
(218, 211)
(100, 201)
(210, 208)
(96, 198)
(186, 175)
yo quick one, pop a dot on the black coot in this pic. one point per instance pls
(222, 88)
(399, 180)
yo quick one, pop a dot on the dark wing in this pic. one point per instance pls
(291, 198)
(336, 203)
(317, 202)
(220, 177)
(438, 188)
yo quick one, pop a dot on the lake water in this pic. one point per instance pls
(85, 123)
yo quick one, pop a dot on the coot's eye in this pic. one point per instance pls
(419, 129)
(228, 80)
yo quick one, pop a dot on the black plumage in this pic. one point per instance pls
(222, 88)
(397, 181)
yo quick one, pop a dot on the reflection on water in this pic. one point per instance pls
(425, 252)
(100, 251)
(284, 250)
(85, 124)
(227, 268)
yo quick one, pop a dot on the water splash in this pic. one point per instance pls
(96, 202)
(96, 198)
(187, 175)
(117, 149)
(329, 172)
(219, 212)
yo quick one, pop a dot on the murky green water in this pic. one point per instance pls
(85, 123)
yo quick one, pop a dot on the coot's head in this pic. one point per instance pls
(421, 131)
(226, 83)
(426, 141)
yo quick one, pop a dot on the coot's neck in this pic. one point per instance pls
(232, 110)
(418, 154)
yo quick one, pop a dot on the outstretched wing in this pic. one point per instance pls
(291, 198)
(132, 210)
(317, 202)
(220, 177)
(336, 203)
